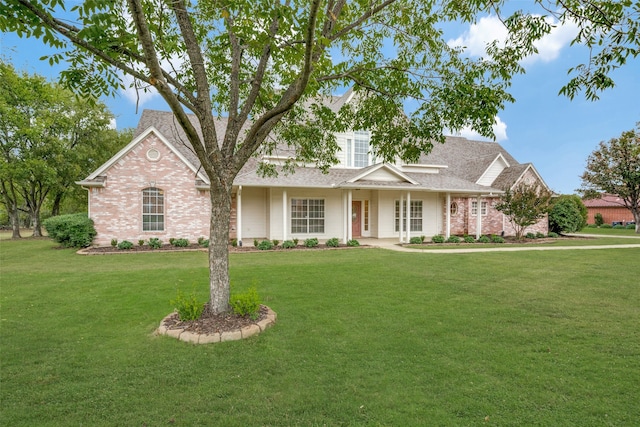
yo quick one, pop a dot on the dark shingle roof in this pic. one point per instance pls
(466, 161)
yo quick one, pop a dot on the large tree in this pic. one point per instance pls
(48, 139)
(260, 62)
(614, 168)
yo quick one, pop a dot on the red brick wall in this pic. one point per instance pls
(609, 215)
(117, 209)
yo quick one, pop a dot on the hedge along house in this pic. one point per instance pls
(154, 188)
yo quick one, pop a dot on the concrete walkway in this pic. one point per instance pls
(392, 244)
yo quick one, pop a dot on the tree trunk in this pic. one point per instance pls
(37, 226)
(57, 201)
(219, 248)
(14, 215)
(636, 218)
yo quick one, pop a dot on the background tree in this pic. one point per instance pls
(259, 63)
(524, 205)
(48, 139)
(567, 214)
(614, 168)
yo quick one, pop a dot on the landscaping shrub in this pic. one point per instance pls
(171, 240)
(180, 243)
(205, 243)
(438, 238)
(598, 219)
(155, 243)
(618, 227)
(125, 245)
(288, 244)
(416, 240)
(188, 307)
(539, 235)
(295, 242)
(453, 239)
(469, 239)
(630, 226)
(246, 303)
(353, 243)
(71, 231)
(311, 242)
(265, 245)
(140, 242)
(484, 239)
(567, 214)
(552, 235)
(114, 242)
(256, 242)
(497, 239)
(606, 226)
(275, 242)
(333, 242)
(234, 243)
(530, 236)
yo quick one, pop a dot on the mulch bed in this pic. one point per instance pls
(210, 323)
(196, 247)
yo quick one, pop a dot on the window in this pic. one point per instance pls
(474, 208)
(453, 209)
(361, 149)
(152, 209)
(366, 215)
(307, 216)
(415, 215)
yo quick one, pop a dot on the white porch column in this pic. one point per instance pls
(345, 230)
(349, 213)
(408, 214)
(239, 216)
(479, 218)
(447, 231)
(401, 216)
(284, 215)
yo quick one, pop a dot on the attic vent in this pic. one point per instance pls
(153, 155)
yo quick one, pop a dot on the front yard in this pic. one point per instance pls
(366, 337)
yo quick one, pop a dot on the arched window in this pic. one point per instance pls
(453, 209)
(152, 209)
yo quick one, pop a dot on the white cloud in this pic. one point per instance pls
(490, 28)
(499, 130)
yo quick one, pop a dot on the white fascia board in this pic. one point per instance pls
(385, 166)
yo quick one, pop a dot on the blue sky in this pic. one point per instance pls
(541, 127)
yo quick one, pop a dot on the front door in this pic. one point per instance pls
(356, 218)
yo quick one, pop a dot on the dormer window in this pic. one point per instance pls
(361, 149)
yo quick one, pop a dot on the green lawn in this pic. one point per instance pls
(609, 232)
(364, 337)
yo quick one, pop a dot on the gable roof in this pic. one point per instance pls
(459, 163)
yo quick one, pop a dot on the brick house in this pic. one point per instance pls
(611, 207)
(154, 188)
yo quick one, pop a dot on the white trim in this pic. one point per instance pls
(447, 232)
(385, 166)
(498, 157)
(285, 210)
(349, 214)
(239, 215)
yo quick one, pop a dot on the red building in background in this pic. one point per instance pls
(611, 207)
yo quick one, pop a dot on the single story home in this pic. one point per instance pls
(154, 187)
(611, 207)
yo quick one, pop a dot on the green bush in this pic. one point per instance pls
(606, 226)
(353, 243)
(333, 242)
(567, 214)
(598, 219)
(497, 239)
(155, 243)
(171, 240)
(539, 235)
(469, 239)
(180, 243)
(453, 239)
(630, 226)
(265, 245)
(553, 235)
(416, 240)
(234, 243)
(125, 245)
(205, 243)
(311, 242)
(484, 239)
(188, 307)
(114, 242)
(295, 242)
(71, 231)
(256, 242)
(438, 238)
(618, 227)
(288, 244)
(140, 242)
(530, 236)
(275, 242)
(246, 303)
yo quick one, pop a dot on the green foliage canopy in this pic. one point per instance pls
(524, 204)
(567, 214)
